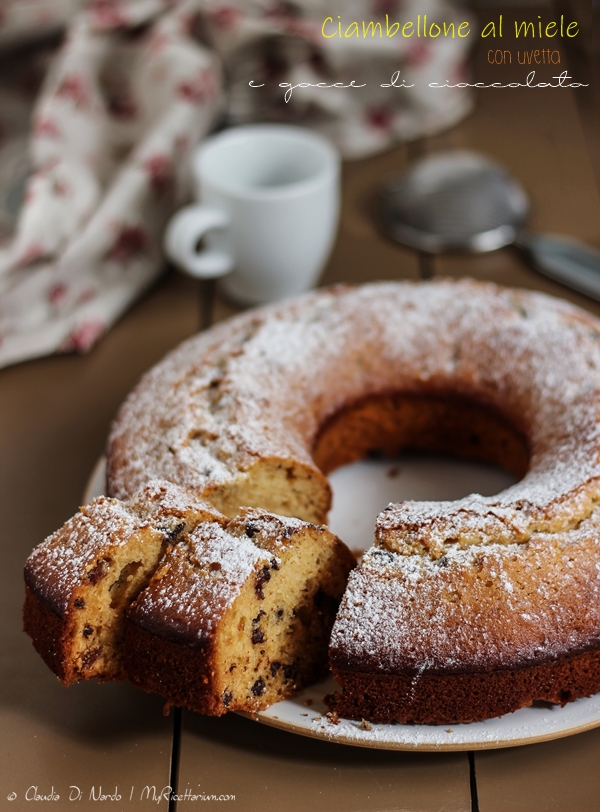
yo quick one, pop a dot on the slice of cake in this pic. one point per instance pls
(82, 578)
(238, 617)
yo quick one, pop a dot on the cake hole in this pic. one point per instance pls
(363, 489)
(377, 450)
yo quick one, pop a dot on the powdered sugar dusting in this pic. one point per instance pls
(60, 563)
(498, 606)
(196, 583)
(262, 385)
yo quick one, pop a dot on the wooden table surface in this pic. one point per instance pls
(54, 417)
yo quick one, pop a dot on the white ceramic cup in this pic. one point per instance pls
(267, 213)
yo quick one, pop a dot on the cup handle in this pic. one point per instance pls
(185, 229)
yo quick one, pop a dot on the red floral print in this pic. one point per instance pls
(418, 55)
(160, 170)
(57, 293)
(380, 118)
(225, 17)
(34, 252)
(107, 13)
(46, 128)
(75, 89)
(123, 108)
(383, 7)
(83, 337)
(87, 295)
(200, 88)
(131, 240)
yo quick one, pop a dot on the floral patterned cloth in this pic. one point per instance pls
(134, 87)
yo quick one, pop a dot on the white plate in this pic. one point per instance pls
(370, 485)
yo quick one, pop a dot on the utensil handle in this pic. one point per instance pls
(565, 260)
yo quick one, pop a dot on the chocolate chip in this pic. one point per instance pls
(87, 631)
(258, 635)
(259, 687)
(227, 698)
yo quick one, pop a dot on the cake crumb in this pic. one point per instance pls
(364, 725)
(333, 717)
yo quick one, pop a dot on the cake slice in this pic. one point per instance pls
(237, 617)
(82, 578)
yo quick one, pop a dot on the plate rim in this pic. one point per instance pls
(463, 746)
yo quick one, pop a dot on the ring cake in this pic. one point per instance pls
(461, 610)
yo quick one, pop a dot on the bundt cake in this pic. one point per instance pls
(460, 611)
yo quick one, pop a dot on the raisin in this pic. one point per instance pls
(259, 687)
(98, 572)
(90, 657)
(258, 617)
(79, 603)
(262, 578)
(227, 698)
(274, 564)
(279, 614)
(87, 631)
(171, 535)
(250, 529)
(275, 666)
(290, 671)
(258, 635)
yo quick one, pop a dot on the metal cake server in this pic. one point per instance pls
(462, 201)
